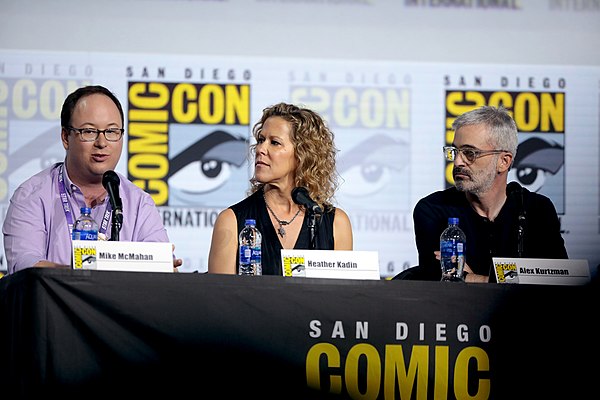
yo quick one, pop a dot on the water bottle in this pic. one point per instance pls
(85, 227)
(452, 248)
(250, 250)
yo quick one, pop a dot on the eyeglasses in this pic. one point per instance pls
(91, 134)
(469, 154)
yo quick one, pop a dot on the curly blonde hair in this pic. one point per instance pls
(314, 150)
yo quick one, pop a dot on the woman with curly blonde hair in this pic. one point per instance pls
(294, 148)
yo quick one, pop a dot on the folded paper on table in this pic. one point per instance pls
(341, 264)
(122, 256)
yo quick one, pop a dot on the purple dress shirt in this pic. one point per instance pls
(35, 227)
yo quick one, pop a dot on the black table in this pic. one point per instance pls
(82, 334)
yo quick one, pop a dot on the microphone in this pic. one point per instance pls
(513, 187)
(111, 182)
(300, 196)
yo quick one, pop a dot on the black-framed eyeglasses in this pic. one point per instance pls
(91, 134)
(469, 154)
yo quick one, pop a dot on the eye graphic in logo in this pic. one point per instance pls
(91, 259)
(205, 166)
(26, 158)
(510, 275)
(373, 167)
(299, 270)
(535, 162)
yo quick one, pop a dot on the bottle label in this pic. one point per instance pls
(245, 254)
(88, 235)
(256, 255)
(447, 248)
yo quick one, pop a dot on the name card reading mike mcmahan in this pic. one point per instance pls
(341, 264)
(105, 255)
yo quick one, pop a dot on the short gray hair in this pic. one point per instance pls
(502, 129)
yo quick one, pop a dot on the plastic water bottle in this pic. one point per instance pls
(85, 228)
(250, 250)
(452, 248)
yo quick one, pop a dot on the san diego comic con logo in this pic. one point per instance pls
(371, 118)
(372, 127)
(30, 127)
(451, 357)
(540, 119)
(186, 140)
(507, 272)
(294, 266)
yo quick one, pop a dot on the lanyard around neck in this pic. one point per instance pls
(67, 207)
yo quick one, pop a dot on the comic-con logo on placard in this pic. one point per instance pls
(540, 119)
(188, 140)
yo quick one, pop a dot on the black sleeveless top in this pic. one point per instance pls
(254, 207)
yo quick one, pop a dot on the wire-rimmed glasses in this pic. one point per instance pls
(469, 154)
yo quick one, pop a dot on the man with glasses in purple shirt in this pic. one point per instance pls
(499, 219)
(40, 217)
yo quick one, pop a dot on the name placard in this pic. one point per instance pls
(105, 255)
(341, 264)
(541, 271)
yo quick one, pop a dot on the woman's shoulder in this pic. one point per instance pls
(226, 216)
(248, 201)
(338, 212)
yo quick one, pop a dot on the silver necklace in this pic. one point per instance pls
(282, 223)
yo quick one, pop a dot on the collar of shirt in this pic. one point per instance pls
(77, 195)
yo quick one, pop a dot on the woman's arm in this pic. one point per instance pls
(342, 231)
(224, 244)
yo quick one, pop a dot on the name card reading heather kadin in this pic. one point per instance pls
(340, 264)
(541, 271)
(105, 255)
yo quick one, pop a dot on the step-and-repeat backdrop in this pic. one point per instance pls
(189, 120)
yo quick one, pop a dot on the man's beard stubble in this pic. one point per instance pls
(477, 183)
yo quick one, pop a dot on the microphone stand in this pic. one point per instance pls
(521, 224)
(117, 222)
(312, 222)
(520, 234)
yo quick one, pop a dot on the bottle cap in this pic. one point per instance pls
(250, 222)
(452, 221)
(86, 210)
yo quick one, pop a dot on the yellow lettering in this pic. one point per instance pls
(461, 373)
(373, 373)
(313, 371)
(395, 371)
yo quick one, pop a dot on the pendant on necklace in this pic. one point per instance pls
(280, 230)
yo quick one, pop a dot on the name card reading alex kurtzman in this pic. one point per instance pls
(105, 255)
(541, 271)
(341, 264)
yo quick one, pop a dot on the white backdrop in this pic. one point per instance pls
(388, 76)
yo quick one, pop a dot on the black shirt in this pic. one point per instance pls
(487, 239)
(254, 207)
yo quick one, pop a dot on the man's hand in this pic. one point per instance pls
(470, 277)
(177, 262)
(50, 264)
